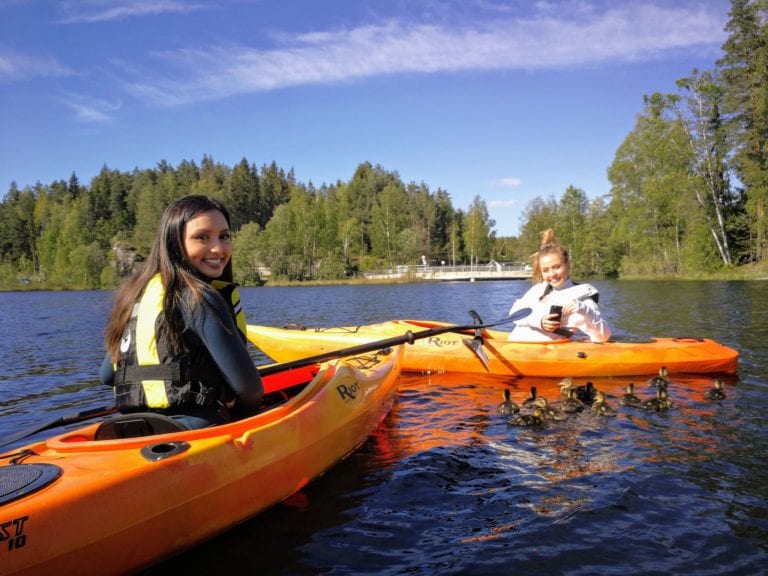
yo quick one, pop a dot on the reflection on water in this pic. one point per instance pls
(445, 485)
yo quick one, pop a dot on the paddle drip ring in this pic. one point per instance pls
(163, 450)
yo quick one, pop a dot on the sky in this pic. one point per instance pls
(508, 100)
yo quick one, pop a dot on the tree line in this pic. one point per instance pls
(67, 235)
(689, 192)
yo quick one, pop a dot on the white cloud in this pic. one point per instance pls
(17, 66)
(90, 110)
(105, 10)
(502, 203)
(507, 182)
(545, 40)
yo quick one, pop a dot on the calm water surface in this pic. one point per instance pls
(445, 485)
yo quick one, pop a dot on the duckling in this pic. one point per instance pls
(718, 392)
(535, 418)
(660, 403)
(572, 404)
(566, 384)
(660, 379)
(601, 406)
(528, 402)
(586, 393)
(550, 412)
(666, 399)
(629, 398)
(508, 407)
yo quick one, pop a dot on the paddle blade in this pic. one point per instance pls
(518, 315)
(476, 345)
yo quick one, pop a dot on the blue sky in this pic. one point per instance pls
(508, 100)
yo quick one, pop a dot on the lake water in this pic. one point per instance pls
(445, 485)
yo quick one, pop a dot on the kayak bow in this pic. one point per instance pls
(72, 504)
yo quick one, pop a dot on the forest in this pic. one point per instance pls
(689, 193)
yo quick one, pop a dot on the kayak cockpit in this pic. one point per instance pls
(136, 424)
(278, 388)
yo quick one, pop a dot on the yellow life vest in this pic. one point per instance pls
(146, 377)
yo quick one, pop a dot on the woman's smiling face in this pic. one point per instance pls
(208, 243)
(554, 270)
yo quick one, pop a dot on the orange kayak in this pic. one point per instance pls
(75, 504)
(455, 352)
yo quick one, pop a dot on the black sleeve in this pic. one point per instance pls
(107, 372)
(218, 332)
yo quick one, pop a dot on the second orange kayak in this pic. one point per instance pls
(452, 352)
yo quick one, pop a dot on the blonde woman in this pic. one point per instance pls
(559, 306)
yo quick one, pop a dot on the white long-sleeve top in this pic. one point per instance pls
(586, 319)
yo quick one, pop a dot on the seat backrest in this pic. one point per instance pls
(137, 424)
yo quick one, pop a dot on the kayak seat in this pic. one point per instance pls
(137, 424)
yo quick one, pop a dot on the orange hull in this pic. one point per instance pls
(121, 505)
(447, 352)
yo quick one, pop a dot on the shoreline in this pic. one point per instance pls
(738, 275)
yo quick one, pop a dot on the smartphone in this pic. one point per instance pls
(554, 309)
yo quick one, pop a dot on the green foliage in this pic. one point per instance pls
(388, 220)
(508, 249)
(570, 226)
(744, 69)
(699, 253)
(275, 191)
(8, 278)
(246, 255)
(243, 198)
(602, 246)
(477, 235)
(275, 247)
(86, 264)
(441, 224)
(331, 268)
(538, 215)
(703, 122)
(151, 200)
(651, 196)
(303, 232)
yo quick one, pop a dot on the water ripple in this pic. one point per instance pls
(446, 486)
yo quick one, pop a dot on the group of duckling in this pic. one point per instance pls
(575, 399)
(659, 403)
(539, 410)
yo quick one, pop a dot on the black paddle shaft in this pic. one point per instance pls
(61, 421)
(407, 338)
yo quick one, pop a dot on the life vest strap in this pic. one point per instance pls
(174, 372)
(198, 378)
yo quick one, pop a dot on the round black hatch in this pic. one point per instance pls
(18, 480)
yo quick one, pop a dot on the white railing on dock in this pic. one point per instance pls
(490, 271)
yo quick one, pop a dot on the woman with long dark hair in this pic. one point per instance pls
(176, 337)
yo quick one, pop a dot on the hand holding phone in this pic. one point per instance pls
(555, 309)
